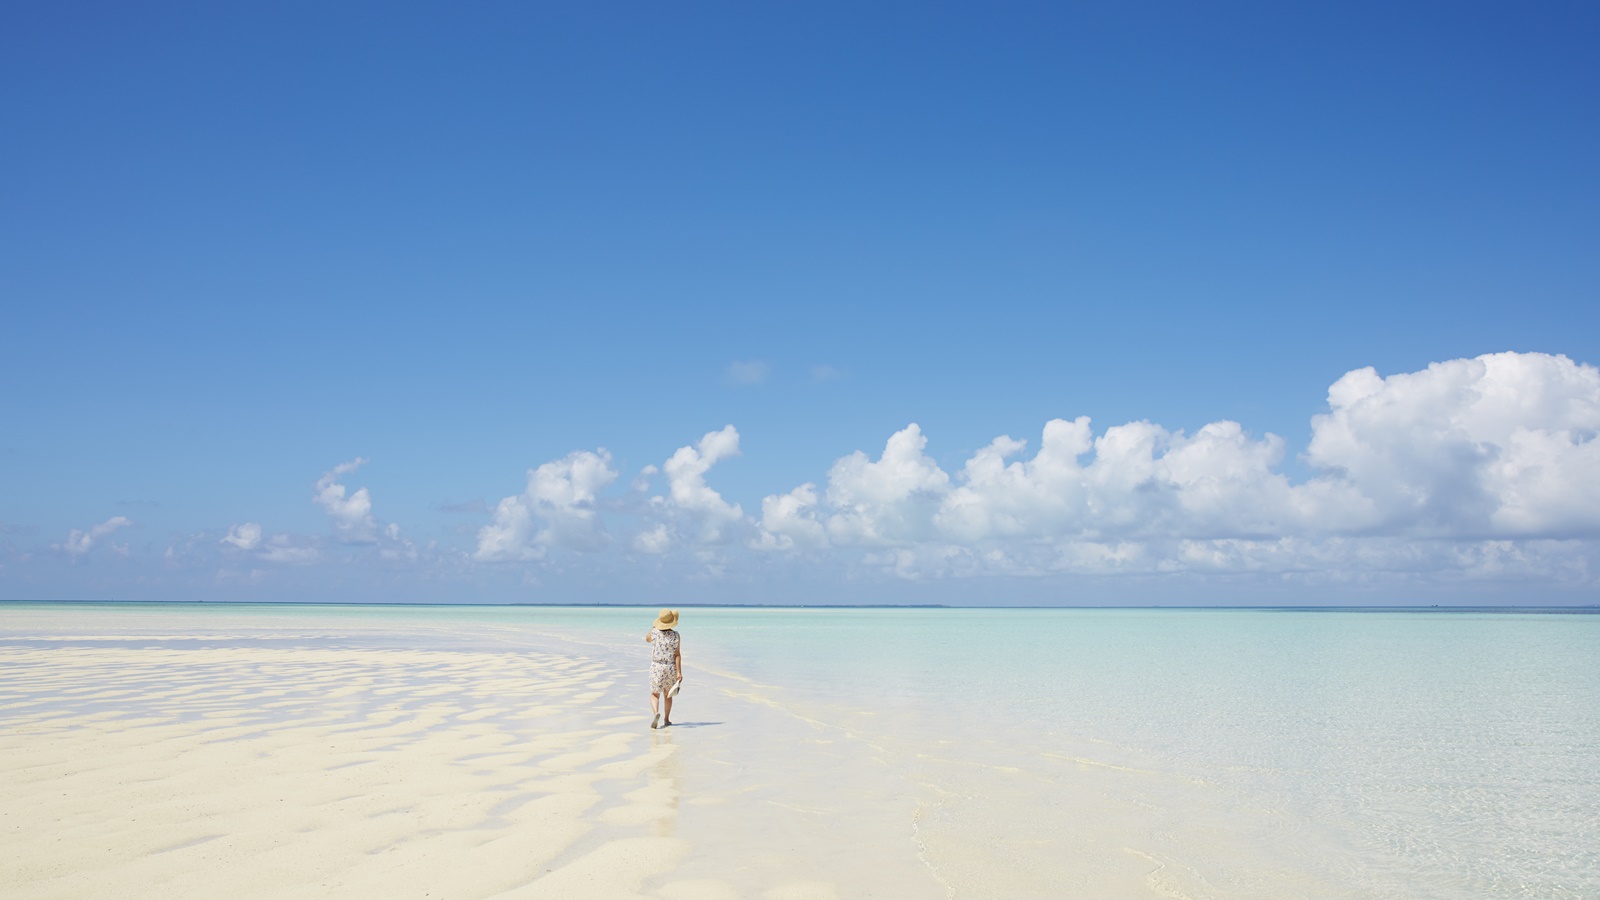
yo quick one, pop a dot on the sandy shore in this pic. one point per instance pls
(280, 772)
(148, 752)
(173, 762)
(153, 750)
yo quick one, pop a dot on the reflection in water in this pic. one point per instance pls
(666, 781)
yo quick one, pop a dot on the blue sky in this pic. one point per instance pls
(243, 246)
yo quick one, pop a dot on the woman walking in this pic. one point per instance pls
(666, 667)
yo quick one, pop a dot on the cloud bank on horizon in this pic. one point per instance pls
(1472, 466)
(1471, 470)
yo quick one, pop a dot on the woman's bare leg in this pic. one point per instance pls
(655, 709)
(668, 718)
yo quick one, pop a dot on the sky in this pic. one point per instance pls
(1144, 303)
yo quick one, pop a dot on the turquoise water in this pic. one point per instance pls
(1387, 752)
(1248, 752)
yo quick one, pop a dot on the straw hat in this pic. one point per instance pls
(667, 619)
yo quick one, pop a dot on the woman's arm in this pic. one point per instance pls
(651, 636)
(677, 659)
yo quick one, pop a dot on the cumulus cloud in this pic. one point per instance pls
(1498, 446)
(709, 518)
(1476, 452)
(245, 536)
(556, 509)
(891, 500)
(1472, 470)
(790, 520)
(352, 515)
(1134, 480)
(79, 543)
(561, 506)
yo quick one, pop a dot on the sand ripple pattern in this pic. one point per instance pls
(162, 767)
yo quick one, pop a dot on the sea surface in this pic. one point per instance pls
(1230, 752)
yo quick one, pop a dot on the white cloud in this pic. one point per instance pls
(80, 542)
(557, 509)
(826, 372)
(1478, 471)
(790, 520)
(689, 498)
(511, 536)
(656, 541)
(1289, 561)
(352, 515)
(1471, 452)
(1134, 480)
(244, 537)
(888, 501)
(641, 482)
(1047, 493)
(283, 548)
(1498, 446)
(752, 371)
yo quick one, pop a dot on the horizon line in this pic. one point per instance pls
(525, 605)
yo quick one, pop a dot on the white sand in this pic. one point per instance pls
(377, 773)
(260, 763)
(236, 754)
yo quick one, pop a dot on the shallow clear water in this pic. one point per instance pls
(1240, 752)
(1438, 753)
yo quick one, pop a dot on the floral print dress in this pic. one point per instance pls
(663, 661)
